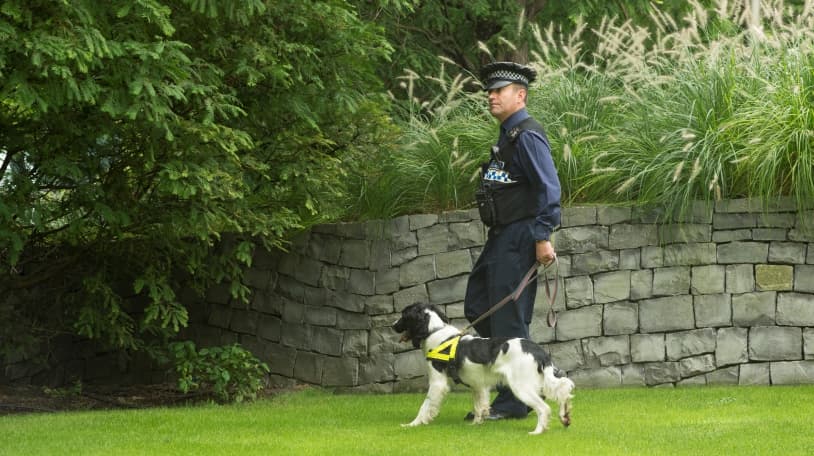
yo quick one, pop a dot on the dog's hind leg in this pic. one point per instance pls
(559, 389)
(529, 396)
(439, 386)
(480, 399)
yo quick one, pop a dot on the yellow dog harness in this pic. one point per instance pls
(446, 351)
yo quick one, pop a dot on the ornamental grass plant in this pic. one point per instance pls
(717, 105)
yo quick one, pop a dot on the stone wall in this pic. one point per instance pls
(724, 295)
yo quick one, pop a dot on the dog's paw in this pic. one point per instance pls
(413, 423)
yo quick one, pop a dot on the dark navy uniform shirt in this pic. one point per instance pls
(533, 163)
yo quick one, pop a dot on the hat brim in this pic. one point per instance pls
(497, 84)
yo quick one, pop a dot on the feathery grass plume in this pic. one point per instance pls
(677, 171)
(625, 185)
(482, 46)
(521, 21)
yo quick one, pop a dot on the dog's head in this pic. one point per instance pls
(418, 321)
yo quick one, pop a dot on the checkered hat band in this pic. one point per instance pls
(507, 75)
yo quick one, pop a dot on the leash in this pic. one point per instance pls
(530, 276)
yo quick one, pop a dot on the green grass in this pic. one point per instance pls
(703, 420)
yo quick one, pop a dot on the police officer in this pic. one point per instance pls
(519, 200)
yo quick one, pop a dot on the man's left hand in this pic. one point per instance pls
(545, 252)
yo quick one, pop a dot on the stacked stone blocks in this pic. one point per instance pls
(723, 295)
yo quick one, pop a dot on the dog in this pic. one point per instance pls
(482, 363)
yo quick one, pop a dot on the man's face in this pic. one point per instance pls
(506, 101)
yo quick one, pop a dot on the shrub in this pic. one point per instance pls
(229, 372)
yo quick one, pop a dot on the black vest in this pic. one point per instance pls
(501, 203)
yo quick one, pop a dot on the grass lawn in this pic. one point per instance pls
(695, 420)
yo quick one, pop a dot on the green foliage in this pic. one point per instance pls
(148, 148)
(230, 372)
(663, 114)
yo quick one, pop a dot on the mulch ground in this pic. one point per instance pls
(38, 399)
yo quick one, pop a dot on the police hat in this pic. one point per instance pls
(500, 74)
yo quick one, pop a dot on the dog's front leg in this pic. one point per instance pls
(439, 386)
(480, 406)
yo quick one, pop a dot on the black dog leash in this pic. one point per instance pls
(551, 296)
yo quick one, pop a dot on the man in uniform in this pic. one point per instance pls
(519, 199)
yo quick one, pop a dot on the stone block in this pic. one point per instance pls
(709, 279)
(633, 375)
(220, 316)
(720, 237)
(267, 302)
(327, 341)
(410, 364)
(612, 287)
(447, 290)
(419, 221)
(269, 328)
(603, 377)
(795, 309)
(776, 220)
(362, 282)
(354, 343)
(771, 343)
(433, 239)
(576, 216)
(808, 343)
(690, 254)
(787, 252)
(352, 320)
(685, 344)
(769, 234)
(740, 278)
(453, 263)
(690, 367)
(671, 281)
(804, 277)
(296, 336)
(725, 376)
(641, 284)
(466, 235)
(666, 314)
(712, 311)
(652, 257)
(620, 318)
(413, 295)
(579, 292)
(377, 369)
(754, 309)
(774, 277)
(379, 305)
(281, 360)
(792, 373)
(387, 281)
(385, 340)
(567, 356)
(724, 221)
(612, 215)
(340, 372)
(743, 252)
(579, 323)
(630, 259)
(754, 374)
(344, 300)
(308, 367)
(659, 373)
(594, 262)
(624, 236)
(731, 346)
(355, 254)
(647, 348)
(417, 271)
(244, 322)
(335, 277)
(607, 351)
(582, 239)
(686, 233)
(399, 257)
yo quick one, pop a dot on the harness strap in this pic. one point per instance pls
(449, 346)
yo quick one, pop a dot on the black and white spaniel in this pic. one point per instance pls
(482, 363)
